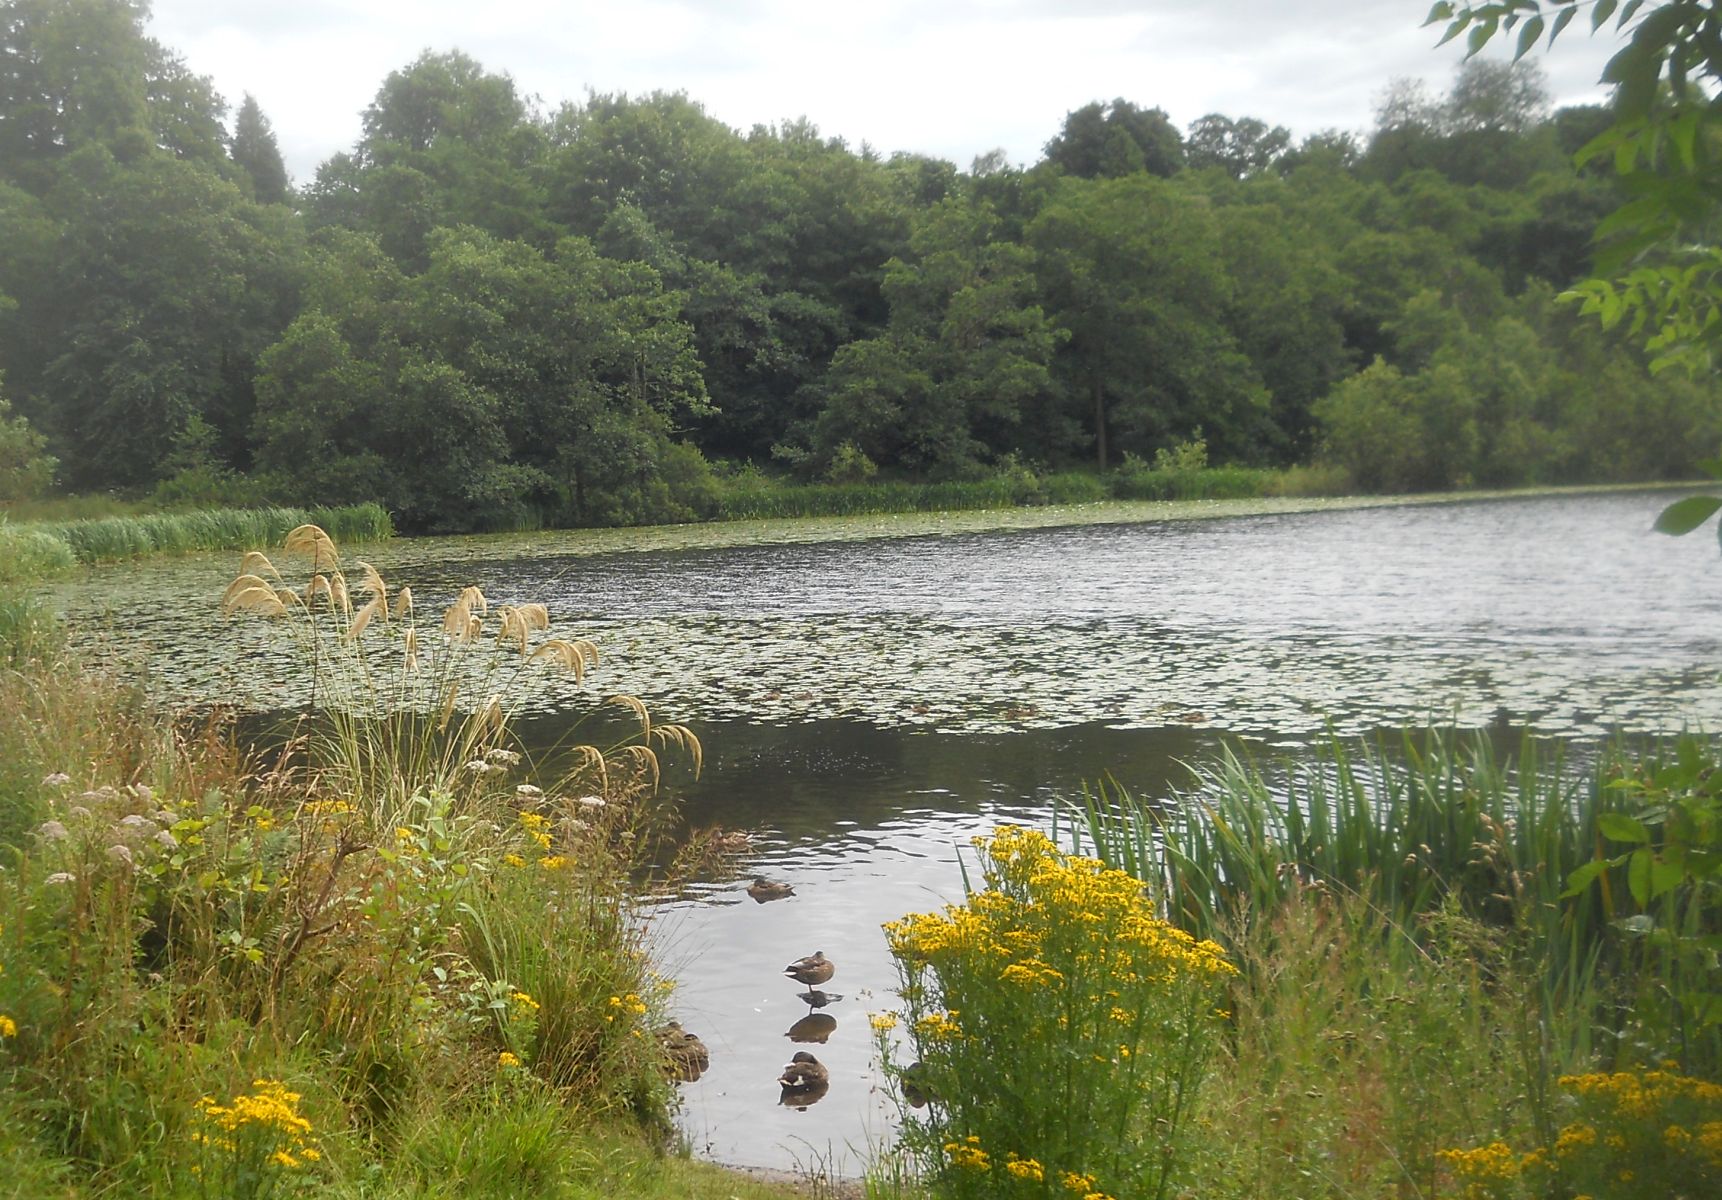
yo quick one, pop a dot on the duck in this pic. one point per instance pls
(804, 1073)
(912, 1080)
(764, 890)
(685, 1055)
(813, 970)
(731, 841)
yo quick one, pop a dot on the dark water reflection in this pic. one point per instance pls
(868, 706)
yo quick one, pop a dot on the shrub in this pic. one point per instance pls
(1061, 1027)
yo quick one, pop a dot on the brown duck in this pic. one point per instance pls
(764, 890)
(804, 1073)
(813, 970)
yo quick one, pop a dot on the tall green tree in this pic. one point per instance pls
(1108, 141)
(1132, 268)
(255, 150)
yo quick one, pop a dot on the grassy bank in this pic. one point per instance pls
(44, 548)
(387, 958)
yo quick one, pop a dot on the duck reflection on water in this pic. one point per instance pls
(814, 1027)
(818, 999)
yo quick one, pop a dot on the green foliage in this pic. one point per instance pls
(28, 554)
(1060, 1030)
(1657, 273)
(111, 539)
(26, 468)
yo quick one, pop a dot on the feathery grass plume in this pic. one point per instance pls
(517, 622)
(248, 593)
(372, 583)
(403, 605)
(310, 540)
(683, 738)
(373, 607)
(410, 650)
(574, 657)
(256, 562)
(319, 586)
(635, 706)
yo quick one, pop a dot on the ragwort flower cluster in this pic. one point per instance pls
(1060, 1026)
(1631, 1133)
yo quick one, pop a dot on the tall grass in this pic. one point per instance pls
(27, 554)
(113, 539)
(1437, 822)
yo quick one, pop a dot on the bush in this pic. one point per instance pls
(1060, 1027)
(27, 554)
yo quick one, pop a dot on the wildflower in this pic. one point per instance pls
(1025, 1168)
(507, 1059)
(502, 757)
(60, 877)
(591, 802)
(968, 1154)
(51, 831)
(527, 791)
(513, 860)
(8, 1027)
(524, 1000)
(403, 834)
(121, 854)
(57, 779)
(883, 1022)
(553, 862)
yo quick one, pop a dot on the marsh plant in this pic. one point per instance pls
(1060, 1030)
(390, 916)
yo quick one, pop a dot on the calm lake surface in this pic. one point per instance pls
(870, 702)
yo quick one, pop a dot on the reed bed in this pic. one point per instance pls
(27, 553)
(114, 539)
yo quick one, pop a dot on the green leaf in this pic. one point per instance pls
(1583, 877)
(1621, 828)
(1664, 877)
(1638, 875)
(1528, 37)
(1682, 517)
(1441, 11)
(1632, 6)
(1603, 10)
(1562, 20)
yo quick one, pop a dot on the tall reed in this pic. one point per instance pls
(1439, 820)
(112, 539)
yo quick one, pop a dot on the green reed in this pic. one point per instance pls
(116, 538)
(1434, 821)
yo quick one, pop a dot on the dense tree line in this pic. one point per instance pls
(485, 314)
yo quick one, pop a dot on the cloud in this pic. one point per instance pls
(952, 78)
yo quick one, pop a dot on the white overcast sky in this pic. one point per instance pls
(952, 78)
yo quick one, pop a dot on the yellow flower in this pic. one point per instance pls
(525, 1001)
(1025, 1168)
(513, 860)
(883, 1022)
(8, 1027)
(553, 862)
(506, 1059)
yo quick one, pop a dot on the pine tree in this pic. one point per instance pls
(254, 149)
